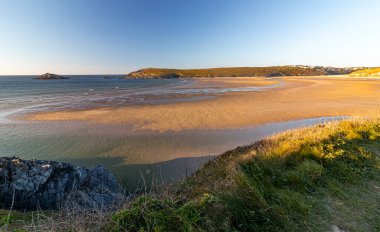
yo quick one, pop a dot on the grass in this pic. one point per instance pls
(69, 219)
(302, 180)
(238, 72)
(367, 72)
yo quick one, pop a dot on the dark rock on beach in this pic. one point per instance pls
(109, 77)
(275, 74)
(50, 76)
(32, 184)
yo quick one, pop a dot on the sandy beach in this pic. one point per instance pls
(285, 99)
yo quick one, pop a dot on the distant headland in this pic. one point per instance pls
(273, 71)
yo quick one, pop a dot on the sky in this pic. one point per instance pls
(120, 36)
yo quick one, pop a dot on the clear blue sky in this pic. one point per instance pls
(111, 36)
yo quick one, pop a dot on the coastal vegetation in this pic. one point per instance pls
(303, 180)
(367, 72)
(294, 70)
(320, 178)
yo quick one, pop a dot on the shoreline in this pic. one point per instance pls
(297, 98)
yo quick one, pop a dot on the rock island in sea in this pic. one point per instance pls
(50, 76)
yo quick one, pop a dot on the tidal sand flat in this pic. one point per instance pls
(164, 130)
(289, 99)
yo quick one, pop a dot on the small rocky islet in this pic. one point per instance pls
(51, 76)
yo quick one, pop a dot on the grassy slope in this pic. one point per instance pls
(304, 180)
(236, 72)
(367, 72)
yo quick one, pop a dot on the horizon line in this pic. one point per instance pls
(120, 74)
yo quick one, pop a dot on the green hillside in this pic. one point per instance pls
(240, 72)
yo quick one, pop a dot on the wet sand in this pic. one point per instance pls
(291, 99)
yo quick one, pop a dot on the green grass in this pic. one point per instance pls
(150, 214)
(303, 180)
(11, 220)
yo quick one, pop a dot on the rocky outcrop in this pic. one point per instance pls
(32, 184)
(50, 76)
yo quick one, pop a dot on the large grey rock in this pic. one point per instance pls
(50, 185)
